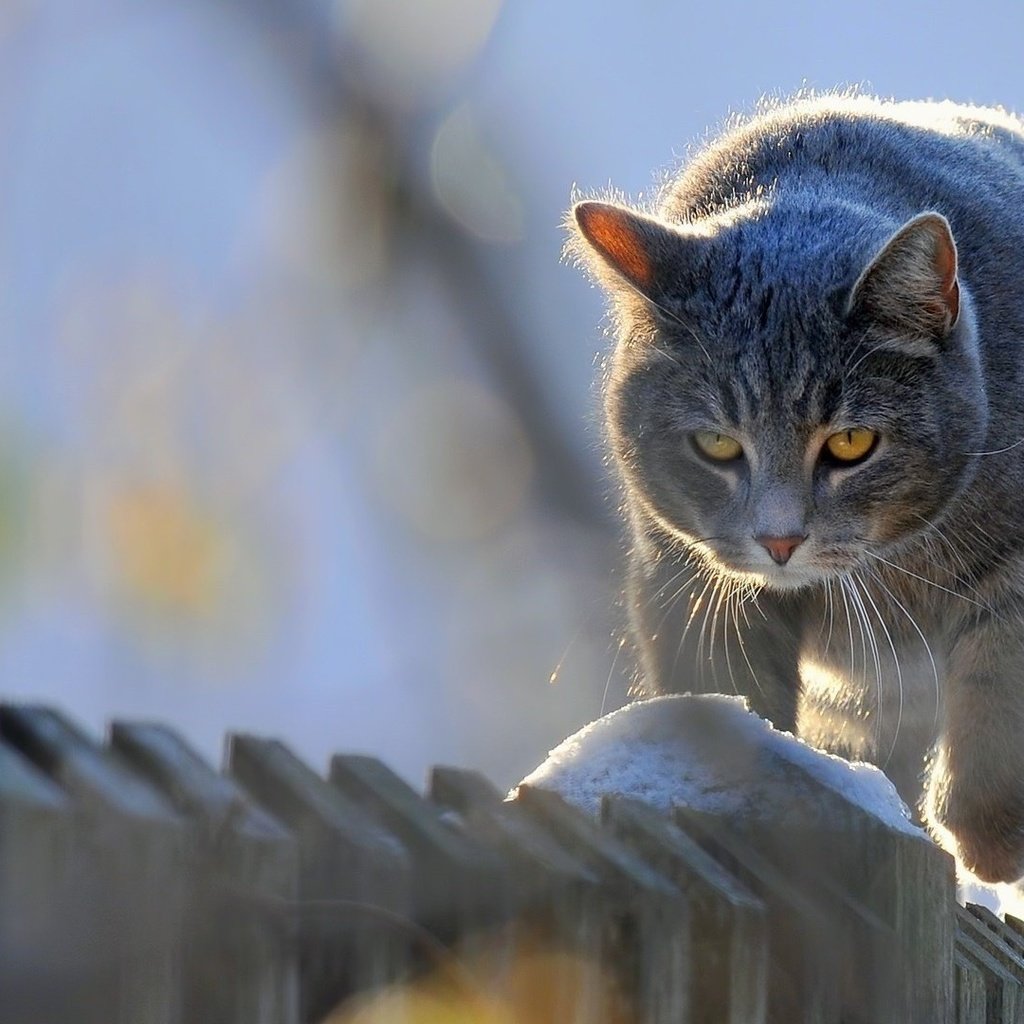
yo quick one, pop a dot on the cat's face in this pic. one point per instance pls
(852, 455)
(790, 432)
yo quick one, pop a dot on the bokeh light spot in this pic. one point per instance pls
(418, 46)
(471, 183)
(165, 552)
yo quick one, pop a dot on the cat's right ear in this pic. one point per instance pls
(625, 247)
(911, 286)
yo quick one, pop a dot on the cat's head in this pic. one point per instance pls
(794, 390)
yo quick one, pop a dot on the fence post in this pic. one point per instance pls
(460, 789)
(889, 888)
(354, 878)
(971, 997)
(1001, 967)
(131, 875)
(805, 964)
(637, 901)
(729, 961)
(37, 839)
(458, 885)
(244, 861)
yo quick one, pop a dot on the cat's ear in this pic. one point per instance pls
(625, 247)
(911, 286)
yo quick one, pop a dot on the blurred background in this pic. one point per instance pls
(299, 431)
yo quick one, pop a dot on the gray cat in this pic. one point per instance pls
(816, 407)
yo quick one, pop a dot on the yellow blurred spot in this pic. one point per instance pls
(535, 986)
(165, 552)
(422, 1004)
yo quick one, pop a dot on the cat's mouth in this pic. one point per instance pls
(806, 568)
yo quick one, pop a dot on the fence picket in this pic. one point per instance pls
(243, 859)
(130, 877)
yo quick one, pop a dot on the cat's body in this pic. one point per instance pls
(821, 328)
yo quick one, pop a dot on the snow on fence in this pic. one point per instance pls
(138, 885)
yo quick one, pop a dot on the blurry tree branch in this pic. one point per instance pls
(386, 135)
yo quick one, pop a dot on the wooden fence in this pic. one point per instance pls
(138, 885)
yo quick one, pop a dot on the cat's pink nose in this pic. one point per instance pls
(780, 548)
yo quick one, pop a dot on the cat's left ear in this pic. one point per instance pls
(911, 286)
(623, 247)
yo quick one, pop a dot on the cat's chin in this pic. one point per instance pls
(784, 578)
(794, 579)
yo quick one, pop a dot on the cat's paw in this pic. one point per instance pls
(987, 839)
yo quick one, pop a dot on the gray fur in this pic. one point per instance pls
(775, 313)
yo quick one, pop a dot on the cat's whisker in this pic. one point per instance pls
(693, 561)
(831, 602)
(868, 642)
(999, 451)
(699, 663)
(695, 605)
(668, 583)
(710, 617)
(928, 650)
(611, 674)
(899, 672)
(739, 637)
(672, 316)
(848, 371)
(931, 583)
(676, 594)
(750, 593)
(954, 553)
(729, 596)
(849, 620)
(674, 599)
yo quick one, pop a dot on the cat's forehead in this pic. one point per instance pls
(781, 263)
(782, 368)
(762, 395)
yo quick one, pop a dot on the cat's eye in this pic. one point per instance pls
(719, 447)
(851, 445)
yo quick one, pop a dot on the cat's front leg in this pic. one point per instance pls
(975, 795)
(696, 632)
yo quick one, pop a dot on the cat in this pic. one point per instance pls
(815, 405)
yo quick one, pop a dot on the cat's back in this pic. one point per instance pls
(964, 160)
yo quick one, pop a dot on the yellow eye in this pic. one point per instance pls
(719, 447)
(851, 445)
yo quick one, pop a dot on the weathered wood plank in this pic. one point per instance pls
(638, 901)
(729, 923)
(1000, 985)
(804, 971)
(901, 878)
(973, 927)
(897, 882)
(558, 917)
(244, 859)
(459, 789)
(355, 914)
(970, 990)
(1004, 931)
(131, 873)
(37, 844)
(458, 884)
